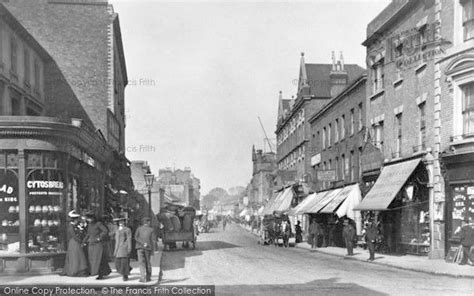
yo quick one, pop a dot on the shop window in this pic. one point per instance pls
(468, 18)
(9, 211)
(33, 160)
(463, 206)
(468, 109)
(46, 211)
(12, 160)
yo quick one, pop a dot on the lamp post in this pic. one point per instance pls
(149, 177)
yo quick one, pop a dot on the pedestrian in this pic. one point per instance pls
(286, 232)
(123, 248)
(313, 230)
(348, 233)
(75, 263)
(145, 244)
(298, 232)
(467, 241)
(96, 237)
(370, 238)
(224, 222)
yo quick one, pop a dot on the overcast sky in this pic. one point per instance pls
(200, 74)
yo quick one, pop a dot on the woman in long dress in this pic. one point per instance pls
(76, 262)
(95, 238)
(123, 248)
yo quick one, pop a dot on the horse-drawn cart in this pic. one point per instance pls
(178, 226)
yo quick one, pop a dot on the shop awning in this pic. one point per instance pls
(309, 202)
(388, 184)
(268, 210)
(348, 205)
(283, 204)
(332, 206)
(328, 197)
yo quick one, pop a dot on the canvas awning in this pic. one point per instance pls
(309, 202)
(283, 204)
(328, 197)
(332, 206)
(391, 180)
(268, 210)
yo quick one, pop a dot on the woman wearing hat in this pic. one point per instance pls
(76, 262)
(123, 248)
(96, 236)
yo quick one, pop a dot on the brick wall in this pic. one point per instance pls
(350, 142)
(76, 36)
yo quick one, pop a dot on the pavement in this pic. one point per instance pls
(114, 279)
(236, 264)
(405, 262)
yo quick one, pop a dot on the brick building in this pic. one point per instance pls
(339, 148)
(261, 185)
(93, 64)
(414, 115)
(454, 101)
(317, 83)
(48, 137)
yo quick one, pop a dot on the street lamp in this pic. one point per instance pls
(149, 177)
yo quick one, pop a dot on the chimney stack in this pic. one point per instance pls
(338, 75)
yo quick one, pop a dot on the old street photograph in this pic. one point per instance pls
(236, 147)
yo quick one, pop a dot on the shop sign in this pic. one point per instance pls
(8, 188)
(44, 187)
(326, 175)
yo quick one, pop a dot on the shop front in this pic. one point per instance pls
(47, 168)
(459, 188)
(398, 202)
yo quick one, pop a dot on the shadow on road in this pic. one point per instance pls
(178, 259)
(323, 287)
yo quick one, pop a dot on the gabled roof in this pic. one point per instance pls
(318, 77)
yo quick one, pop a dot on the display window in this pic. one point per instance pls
(45, 186)
(9, 206)
(463, 204)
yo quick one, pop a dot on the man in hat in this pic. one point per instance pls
(145, 244)
(123, 248)
(370, 237)
(467, 241)
(348, 233)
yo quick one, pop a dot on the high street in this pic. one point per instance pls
(234, 262)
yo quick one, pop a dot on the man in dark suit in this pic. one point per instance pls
(370, 237)
(145, 244)
(348, 232)
(467, 241)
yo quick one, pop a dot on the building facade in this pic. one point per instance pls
(261, 185)
(53, 154)
(419, 122)
(317, 83)
(339, 148)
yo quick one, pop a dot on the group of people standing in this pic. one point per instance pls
(86, 253)
(317, 236)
